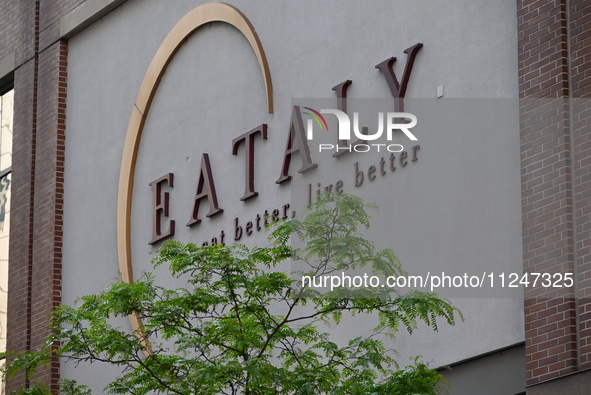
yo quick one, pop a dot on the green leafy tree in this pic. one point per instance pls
(243, 326)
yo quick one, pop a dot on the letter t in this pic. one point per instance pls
(248, 139)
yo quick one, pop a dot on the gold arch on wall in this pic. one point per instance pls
(184, 28)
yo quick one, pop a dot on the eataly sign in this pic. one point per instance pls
(296, 143)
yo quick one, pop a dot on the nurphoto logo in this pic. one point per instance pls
(394, 121)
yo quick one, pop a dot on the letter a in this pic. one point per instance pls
(205, 189)
(296, 141)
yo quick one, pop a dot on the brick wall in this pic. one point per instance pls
(48, 198)
(51, 12)
(554, 121)
(18, 29)
(30, 29)
(20, 258)
(580, 69)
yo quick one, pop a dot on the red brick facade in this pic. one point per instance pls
(30, 29)
(580, 68)
(555, 88)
